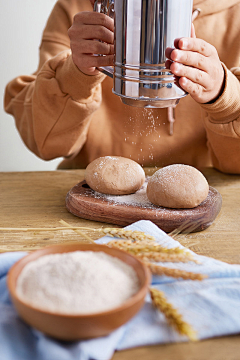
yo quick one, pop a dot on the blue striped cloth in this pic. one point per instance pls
(211, 306)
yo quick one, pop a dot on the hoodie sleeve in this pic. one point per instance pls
(222, 123)
(53, 107)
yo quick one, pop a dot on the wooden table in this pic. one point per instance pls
(37, 199)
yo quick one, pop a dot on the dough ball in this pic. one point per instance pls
(177, 186)
(114, 175)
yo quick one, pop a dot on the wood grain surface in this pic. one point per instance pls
(87, 204)
(37, 199)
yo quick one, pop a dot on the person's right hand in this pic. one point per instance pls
(91, 33)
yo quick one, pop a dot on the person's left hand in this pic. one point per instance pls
(197, 65)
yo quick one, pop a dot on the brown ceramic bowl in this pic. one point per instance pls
(75, 327)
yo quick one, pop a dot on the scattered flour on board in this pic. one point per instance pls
(139, 198)
(79, 282)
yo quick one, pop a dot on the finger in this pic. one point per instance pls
(195, 90)
(168, 52)
(195, 75)
(97, 32)
(190, 58)
(96, 47)
(197, 45)
(168, 63)
(176, 41)
(96, 61)
(94, 18)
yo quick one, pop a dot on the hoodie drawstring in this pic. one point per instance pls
(195, 13)
(171, 118)
(171, 109)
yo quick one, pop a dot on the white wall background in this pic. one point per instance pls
(21, 26)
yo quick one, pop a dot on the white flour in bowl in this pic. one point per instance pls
(79, 282)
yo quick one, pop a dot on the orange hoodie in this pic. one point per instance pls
(61, 112)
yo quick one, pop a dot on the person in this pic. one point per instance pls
(67, 108)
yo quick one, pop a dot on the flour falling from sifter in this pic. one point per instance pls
(80, 282)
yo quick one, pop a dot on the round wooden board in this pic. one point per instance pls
(85, 203)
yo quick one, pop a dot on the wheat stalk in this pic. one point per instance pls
(176, 273)
(161, 257)
(78, 231)
(120, 233)
(173, 317)
(143, 246)
(69, 227)
(131, 246)
(155, 253)
(114, 232)
(161, 249)
(127, 234)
